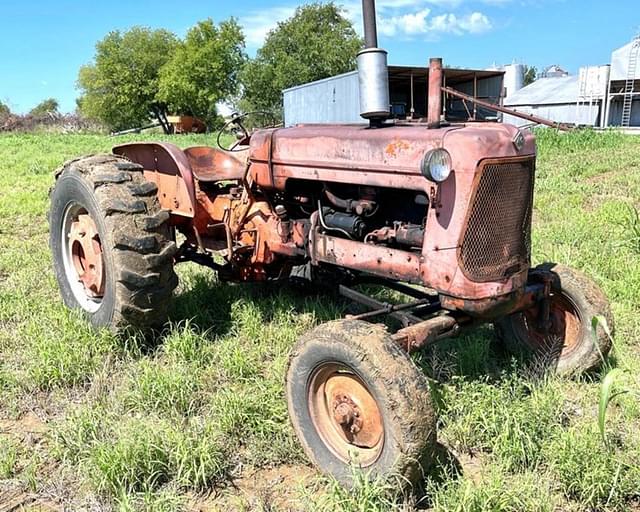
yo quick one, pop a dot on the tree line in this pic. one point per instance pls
(141, 73)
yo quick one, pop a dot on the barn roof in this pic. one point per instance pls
(546, 91)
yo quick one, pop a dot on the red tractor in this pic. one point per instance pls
(440, 213)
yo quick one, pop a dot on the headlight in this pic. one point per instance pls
(436, 165)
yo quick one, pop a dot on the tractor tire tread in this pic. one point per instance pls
(139, 237)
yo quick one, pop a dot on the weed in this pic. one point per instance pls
(166, 389)
(365, 495)
(8, 458)
(496, 492)
(596, 476)
(142, 424)
(510, 419)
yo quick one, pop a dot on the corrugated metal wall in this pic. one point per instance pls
(564, 113)
(333, 100)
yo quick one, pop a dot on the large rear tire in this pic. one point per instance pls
(111, 243)
(570, 346)
(355, 398)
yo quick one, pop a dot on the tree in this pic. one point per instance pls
(530, 74)
(203, 69)
(44, 107)
(5, 111)
(120, 87)
(316, 42)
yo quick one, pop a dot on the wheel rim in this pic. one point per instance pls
(565, 325)
(345, 414)
(82, 257)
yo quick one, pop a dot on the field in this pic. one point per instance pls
(197, 419)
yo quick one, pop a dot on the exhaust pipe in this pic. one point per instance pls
(434, 95)
(373, 74)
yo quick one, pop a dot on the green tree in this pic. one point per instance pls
(315, 43)
(120, 87)
(44, 107)
(5, 111)
(203, 70)
(530, 74)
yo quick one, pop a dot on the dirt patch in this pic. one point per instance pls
(15, 500)
(472, 465)
(264, 489)
(28, 424)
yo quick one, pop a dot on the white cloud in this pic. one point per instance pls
(475, 23)
(404, 18)
(409, 24)
(256, 25)
(420, 23)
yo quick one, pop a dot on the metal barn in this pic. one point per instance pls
(337, 99)
(623, 99)
(554, 98)
(600, 96)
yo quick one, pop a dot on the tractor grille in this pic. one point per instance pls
(496, 242)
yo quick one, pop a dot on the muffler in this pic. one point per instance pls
(373, 74)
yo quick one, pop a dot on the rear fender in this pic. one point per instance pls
(168, 167)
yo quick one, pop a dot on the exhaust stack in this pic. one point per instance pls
(434, 109)
(373, 74)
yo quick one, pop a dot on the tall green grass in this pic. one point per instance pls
(139, 425)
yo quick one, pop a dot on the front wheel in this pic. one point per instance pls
(356, 399)
(569, 345)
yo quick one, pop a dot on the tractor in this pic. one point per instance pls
(438, 213)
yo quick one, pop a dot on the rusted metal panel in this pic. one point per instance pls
(386, 157)
(173, 194)
(166, 161)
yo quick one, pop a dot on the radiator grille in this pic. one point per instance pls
(496, 242)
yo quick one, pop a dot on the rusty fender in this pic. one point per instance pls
(176, 171)
(167, 166)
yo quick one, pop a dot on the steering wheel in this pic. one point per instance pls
(235, 125)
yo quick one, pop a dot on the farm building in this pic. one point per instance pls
(558, 98)
(337, 99)
(600, 96)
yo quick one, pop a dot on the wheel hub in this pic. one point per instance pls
(563, 327)
(346, 415)
(86, 254)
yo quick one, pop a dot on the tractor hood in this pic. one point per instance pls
(389, 156)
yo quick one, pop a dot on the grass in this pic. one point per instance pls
(198, 419)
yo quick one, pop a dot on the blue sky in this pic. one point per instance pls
(43, 43)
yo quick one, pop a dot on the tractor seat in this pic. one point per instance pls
(210, 164)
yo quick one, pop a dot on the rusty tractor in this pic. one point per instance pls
(440, 213)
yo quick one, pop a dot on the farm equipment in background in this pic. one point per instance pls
(440, 213)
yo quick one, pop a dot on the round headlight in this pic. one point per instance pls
(436, 165)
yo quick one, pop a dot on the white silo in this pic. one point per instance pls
(513, 78)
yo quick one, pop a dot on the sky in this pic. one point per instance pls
(44, 43)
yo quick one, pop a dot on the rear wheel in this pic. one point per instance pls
(111, 244)
(569, 345)
(356, 399)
